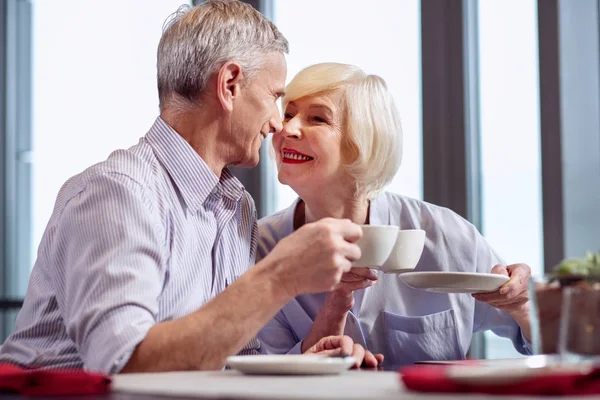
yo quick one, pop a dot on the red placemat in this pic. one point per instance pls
(438, 379)
(46, 382)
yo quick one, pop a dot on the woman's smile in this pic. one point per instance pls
(291, 156)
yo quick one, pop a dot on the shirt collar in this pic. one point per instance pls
(194, 179)
(379, 211)
(288, 217)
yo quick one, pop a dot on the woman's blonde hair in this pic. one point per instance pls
(372, 131)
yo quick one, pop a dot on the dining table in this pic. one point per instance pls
(231, 384)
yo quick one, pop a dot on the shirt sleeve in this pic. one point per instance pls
(110, 269)
(277, 337)
(491, 318)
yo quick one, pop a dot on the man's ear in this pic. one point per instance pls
(228, 84)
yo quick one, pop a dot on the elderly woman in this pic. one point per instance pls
(340, 145)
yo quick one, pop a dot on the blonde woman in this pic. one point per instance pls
(341, 143)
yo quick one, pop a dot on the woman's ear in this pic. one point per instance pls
(228, 84)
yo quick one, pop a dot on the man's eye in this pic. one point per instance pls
(287, 117)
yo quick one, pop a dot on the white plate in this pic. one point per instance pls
(290, 364)
(509, 375)
(454, 282)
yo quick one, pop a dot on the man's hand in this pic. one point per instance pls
(344, 346)
(313, 259)
(513, 296)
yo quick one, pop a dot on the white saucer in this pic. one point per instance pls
(398, 271)
(290, 364)
(454, 282)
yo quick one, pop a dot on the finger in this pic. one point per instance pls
(358, 352)
(328, 353)
(350, 231)
(349, 250)
(369, 361)
(513, 289)
(519, 277)
(364, 273)
(505, 304)
(343, 344)
(352, 286)
(514, 292)
(500, 270)
(521, 270)
(379, 358)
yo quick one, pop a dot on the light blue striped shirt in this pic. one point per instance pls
(149, 235)
(406, 325)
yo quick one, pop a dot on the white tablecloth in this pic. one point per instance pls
(232, 384)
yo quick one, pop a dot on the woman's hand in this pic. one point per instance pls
(344, 346)
(513, 296)
(331, 318)
(341, 299)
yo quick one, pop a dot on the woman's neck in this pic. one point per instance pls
(356, 209)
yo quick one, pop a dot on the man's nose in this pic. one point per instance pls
(275, 124)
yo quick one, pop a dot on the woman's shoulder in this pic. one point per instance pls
(415, 212)
(449, 235)
(279, 221)
(273, 228)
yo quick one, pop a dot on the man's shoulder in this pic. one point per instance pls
(136, 166)
(137, 163)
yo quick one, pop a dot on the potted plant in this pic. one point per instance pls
(548, 295)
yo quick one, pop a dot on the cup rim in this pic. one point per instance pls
(378, 226)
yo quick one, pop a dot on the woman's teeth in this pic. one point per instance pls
(295, 156)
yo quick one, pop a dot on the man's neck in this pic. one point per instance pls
(201, 131)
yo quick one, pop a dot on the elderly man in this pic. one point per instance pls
(143, 264)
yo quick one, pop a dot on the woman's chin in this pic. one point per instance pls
(291, 181)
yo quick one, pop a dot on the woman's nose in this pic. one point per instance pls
(292, 129)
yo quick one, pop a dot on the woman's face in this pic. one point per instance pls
(308, 149)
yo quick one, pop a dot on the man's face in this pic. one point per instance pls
(256, 113)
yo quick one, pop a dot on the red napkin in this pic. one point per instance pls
(435, 379)
(45, 382)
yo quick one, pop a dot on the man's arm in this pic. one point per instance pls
(311, 260)
(205, 338)
(108, 243)
(109, 254)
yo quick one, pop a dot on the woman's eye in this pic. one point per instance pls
(319, 119)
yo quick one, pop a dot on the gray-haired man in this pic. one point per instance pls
(138, 268)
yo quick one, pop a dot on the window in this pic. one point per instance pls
(510, 137)
(94, 88)
(382, 38)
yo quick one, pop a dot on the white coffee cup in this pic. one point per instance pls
(376, 244)
(406, 252)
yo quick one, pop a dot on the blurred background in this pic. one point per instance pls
(500, 103)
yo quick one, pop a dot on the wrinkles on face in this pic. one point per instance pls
(313, 126)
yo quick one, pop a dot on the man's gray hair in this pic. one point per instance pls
(197, 41)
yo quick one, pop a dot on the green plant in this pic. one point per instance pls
(589, 265)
